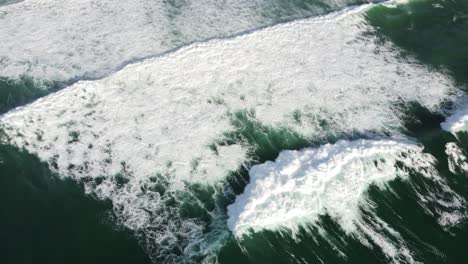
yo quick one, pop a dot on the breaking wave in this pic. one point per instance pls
(153, 138)
(300, 186)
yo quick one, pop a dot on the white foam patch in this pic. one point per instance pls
(318, 77)
(458, 121)
(457, 160)
(300, 186)
(69, 39)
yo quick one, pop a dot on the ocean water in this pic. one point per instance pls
(331, 131)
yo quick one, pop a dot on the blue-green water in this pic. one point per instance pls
(46, 217)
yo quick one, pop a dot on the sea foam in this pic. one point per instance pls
(150, 113)
(457, 160)
(165, 121)
(68, 39)
(300, 186)
(457, 121)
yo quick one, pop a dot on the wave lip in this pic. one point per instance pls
(301, 185)
(457, 122)
(292, 193)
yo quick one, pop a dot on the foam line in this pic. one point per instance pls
(68, 40)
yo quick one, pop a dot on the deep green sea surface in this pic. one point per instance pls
(47, 218)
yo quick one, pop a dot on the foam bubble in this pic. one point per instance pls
(164, 122)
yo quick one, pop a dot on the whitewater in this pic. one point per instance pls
(153, 127)
(72, 40)
(299, 186)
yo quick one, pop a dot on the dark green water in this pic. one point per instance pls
(45, 219)
(22, 91)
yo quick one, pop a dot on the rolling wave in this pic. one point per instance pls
(154, 137)
(300, 186)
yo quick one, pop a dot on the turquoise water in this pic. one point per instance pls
(48, 216)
